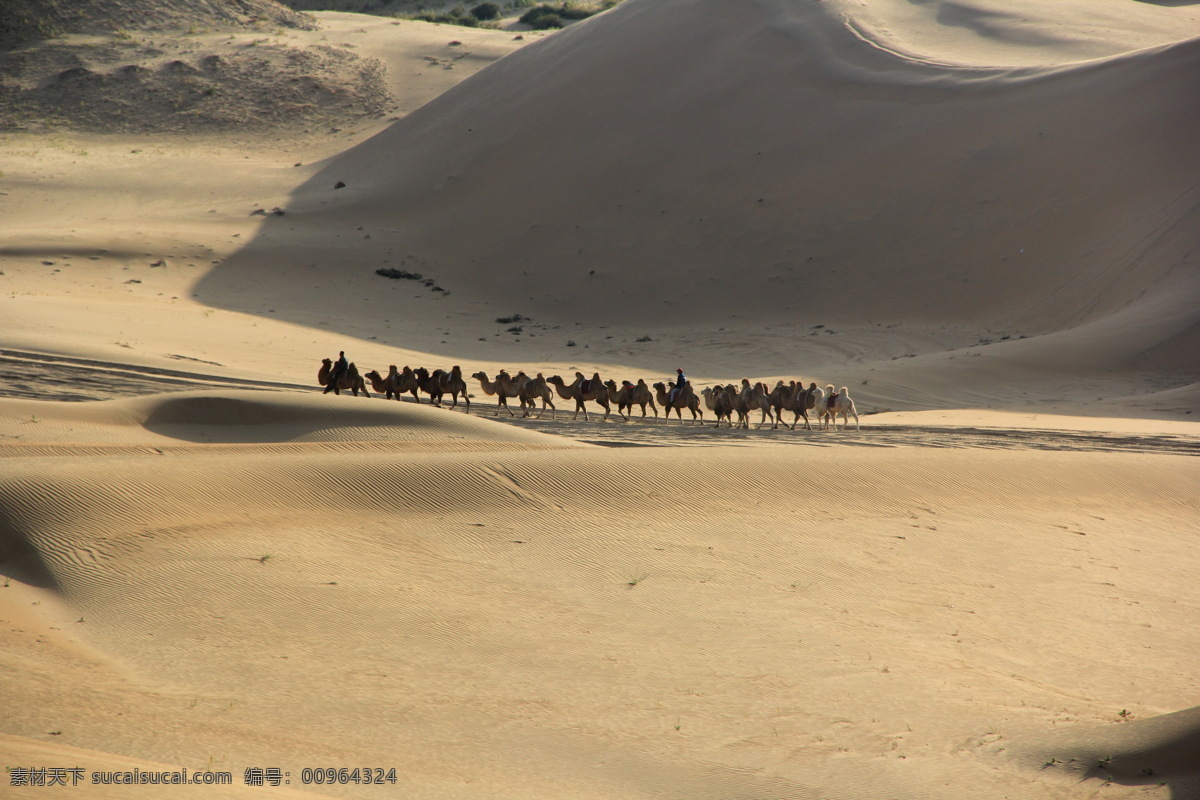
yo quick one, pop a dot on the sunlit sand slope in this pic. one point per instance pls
(589, 622)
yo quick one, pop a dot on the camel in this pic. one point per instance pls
(530, 390)
(720, 401)
(404, 381)
(684, 398)
(629, 394)
(498, 388)
(452, 383)
(841, 403)
(792, 396)
(821, 406)
(750, 398)
(581, 390)
(431, 384)
(349, 380)
(815, 399)
(379, 383)
(509, 385)
(390, 385)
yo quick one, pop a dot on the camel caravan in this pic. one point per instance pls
(723, 402)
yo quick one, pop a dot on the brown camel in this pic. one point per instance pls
(497, 388)
(530, 390)
(405, 381)
(430, 383)
(349, 380)
(452, 383)
(721, 401)
(792, 396)
(627, 395)
(753, 397)
(388, 386)
(581, 390)
(684, 398)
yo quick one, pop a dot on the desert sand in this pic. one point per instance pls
(979, 217)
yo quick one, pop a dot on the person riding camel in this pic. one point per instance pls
(340, 368)
(680, 382)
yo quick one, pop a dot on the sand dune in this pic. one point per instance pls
(692, 166)
(562, 612)
(978, 217)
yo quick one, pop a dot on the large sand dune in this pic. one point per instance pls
(982, 214)
(679, 167)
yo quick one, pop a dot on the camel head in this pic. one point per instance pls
(327, 362)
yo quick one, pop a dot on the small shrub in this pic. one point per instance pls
(449, 19)
(542, 18)
(547, 15)
(486, 11)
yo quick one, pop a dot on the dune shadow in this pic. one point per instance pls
(996, 25)
(216, 418)
(20, 558)
(1158, 751)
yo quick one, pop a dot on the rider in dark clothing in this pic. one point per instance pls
(340, 367)
(680, 382)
